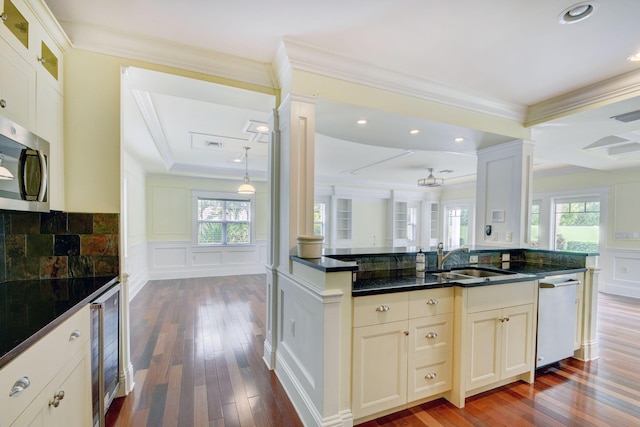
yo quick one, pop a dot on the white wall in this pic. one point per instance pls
(369, 223)
(134, 226)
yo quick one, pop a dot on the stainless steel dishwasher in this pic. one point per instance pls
(105, 351)
(556, 319)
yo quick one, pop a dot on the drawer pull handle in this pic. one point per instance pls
(55, 402)
(19, 386)
(74, 335)
(430, 376)
(431, 335)
(383, 308)
(432, 301)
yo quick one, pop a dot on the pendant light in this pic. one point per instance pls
(4, 172)
(246, 188)
(430, 181)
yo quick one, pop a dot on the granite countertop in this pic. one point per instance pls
(521, 271)
(29, 309)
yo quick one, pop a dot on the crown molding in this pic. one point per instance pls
(163, 52)
(148, 111)
(50, 24)
(607, 91)
(304, 57)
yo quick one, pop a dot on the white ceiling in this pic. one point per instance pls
(512, 54)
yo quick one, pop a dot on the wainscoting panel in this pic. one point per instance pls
(621, 272)
(181, 259)
(135, 266)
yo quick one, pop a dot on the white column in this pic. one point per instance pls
(273, 241)
(297, 159)
(503, 194)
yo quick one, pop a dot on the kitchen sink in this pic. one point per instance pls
(479, 272)
(466, 273)
(450, 275)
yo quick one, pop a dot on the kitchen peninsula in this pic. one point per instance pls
(405, 339)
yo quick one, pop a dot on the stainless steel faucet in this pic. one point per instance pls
(442, 258)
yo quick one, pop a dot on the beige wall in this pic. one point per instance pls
(92, 131)
(169, 207)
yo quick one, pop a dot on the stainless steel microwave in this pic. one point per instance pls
(24, 172)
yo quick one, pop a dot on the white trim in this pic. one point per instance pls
(188, 260)
(226, 195)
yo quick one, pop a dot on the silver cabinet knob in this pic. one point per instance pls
(430, 376)
(431, 335)
(432, 301)
(3, 103)
(3, 16)
(19, 386)
(42, 60)
(55, 402)
(383, 308)
(74, 335)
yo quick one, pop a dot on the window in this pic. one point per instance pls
(223, 221)
(457, 227)
(318, 218)
(577, 225)
(412, 224)
(535, 225)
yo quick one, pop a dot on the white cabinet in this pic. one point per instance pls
(17, 87)
(402, 349)
(58, 362)
(495, 337)
(500, 344)
(31, 68)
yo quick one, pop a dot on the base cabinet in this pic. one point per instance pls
(500, 344)
(379, 367)
(402, 349)
(49, 384)
(73, 409)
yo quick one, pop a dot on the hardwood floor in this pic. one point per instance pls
(197, 352)
(196, 347)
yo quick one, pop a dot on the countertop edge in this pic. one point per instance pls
(24, 345)
(326, 264)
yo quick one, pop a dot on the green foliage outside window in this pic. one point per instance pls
(224, 222)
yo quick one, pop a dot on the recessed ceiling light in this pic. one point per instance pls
(414, 131)
(362, 122)
(578, 12)
(634, 58)
(262, 128)
(459, 139)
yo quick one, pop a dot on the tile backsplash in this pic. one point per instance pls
(58, 245)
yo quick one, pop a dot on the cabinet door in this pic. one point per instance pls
(517, 342)
(73, 410)
(17, 87)
(379, 367)
(485, 343)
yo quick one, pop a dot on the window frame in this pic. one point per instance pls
(587, 198)
(226, 196)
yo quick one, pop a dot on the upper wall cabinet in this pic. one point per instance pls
(31, 87)
(17, 87)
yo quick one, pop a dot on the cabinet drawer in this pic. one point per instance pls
(429, 302)
(490, 297)
(41, 362)
(377, 309)
(429, 376)
(430, 336)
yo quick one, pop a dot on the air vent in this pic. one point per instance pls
(217, 144)
(628, 117)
